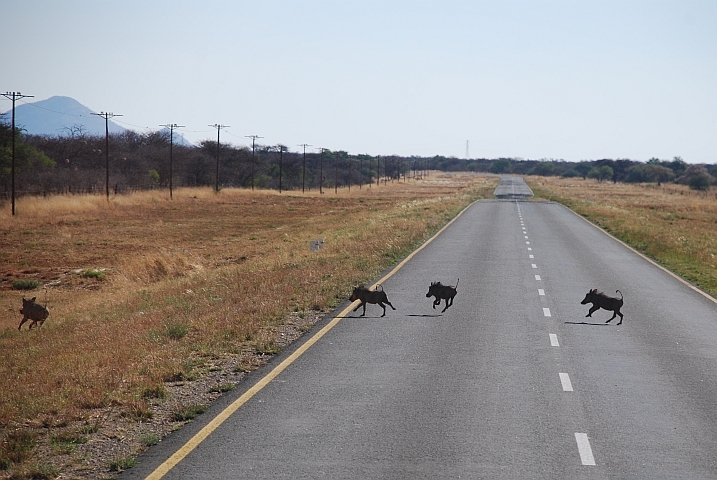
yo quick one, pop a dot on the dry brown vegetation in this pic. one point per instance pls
(670, 223)
(146, 294)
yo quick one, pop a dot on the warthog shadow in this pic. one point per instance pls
(586, 323)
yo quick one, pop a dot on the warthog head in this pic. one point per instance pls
(589, 297)
(356, 295)
(433, 289)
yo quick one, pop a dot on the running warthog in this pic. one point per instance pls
(33, 311)
(442, 292)
(368, 296)
(600, 300)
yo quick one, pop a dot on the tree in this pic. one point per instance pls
(29, 161)
(601, 173)
(583, 168)
(697, 177)
(500, 166)
(544, 169)
(678, 166)
(650, 172)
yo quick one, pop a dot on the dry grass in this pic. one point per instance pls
(202, 276)
(670, 223)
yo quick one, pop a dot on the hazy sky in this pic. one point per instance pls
(573, 79)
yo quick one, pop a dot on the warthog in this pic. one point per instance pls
(368, 296)
(600, 300)
(442, 292)
(33, 311)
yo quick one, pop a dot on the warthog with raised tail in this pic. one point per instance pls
(33, 311)
(370, 296)
(442, 292)
(600, 300)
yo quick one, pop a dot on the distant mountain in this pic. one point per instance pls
(177, 137)
(56, 115)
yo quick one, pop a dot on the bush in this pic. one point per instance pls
(16, 447)
(177, 331)
(700, 182)
(123, 463)
(26, 284)
(697, 177)
(92, 273)
(189, 413)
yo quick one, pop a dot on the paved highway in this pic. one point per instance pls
(510, 382)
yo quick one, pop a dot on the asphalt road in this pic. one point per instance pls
(510, 382)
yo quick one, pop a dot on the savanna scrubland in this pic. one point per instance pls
(148, 295)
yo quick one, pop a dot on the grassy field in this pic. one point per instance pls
(143, 290)
(671, 224)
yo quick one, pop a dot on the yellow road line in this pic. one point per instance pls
(200, 436)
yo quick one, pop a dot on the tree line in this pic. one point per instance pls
(75, 162)
(676, 170)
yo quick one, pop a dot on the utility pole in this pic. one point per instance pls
(253, 139)
(171, 127)
(360, 172)
(216, 181)
(303, 175)
(107, 117)
(336, 174)
(14, 96)
(378, 170)
(370, 178)
(281, 163)
(321, 171)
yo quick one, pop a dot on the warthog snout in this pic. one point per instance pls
(33, 311)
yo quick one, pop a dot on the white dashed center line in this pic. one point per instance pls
(584, 449)
(565, 381)
(586, 453)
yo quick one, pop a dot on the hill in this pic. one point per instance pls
(55, 115)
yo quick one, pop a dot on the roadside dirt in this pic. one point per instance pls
(118, 438)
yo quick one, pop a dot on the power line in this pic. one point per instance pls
(107, 117)
(13, 96)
